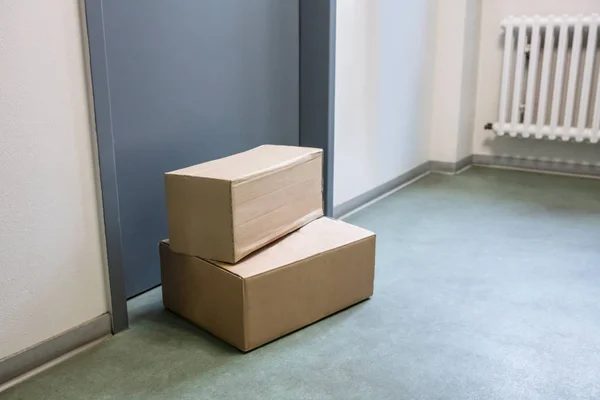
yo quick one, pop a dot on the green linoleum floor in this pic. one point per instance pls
(487, 287)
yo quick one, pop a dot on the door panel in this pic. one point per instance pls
(190, 81)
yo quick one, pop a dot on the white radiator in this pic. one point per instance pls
(550, 84)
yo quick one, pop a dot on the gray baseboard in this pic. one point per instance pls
(450, 167)
(13, 366)
(372, 194)
(537, 165)
(453, 168)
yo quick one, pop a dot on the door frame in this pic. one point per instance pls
(317, 94)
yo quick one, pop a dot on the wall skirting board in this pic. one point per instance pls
(454, 168)
(537, 165)
(450, 167)
(13, 366)
(380, 190)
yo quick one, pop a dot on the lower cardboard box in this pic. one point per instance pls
(311, 273)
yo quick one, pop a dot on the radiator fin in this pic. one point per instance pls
(550, 85)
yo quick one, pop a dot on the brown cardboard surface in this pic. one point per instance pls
(323, 268)
(252, 163)
(199, 216)
(225, 209)
(210, 297)
(315, 238)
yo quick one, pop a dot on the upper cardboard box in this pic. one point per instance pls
(227, 208)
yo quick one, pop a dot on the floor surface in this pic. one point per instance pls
(487, 287)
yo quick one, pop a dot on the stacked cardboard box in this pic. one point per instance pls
(250, 257)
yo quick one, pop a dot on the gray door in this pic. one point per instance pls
(185, 81)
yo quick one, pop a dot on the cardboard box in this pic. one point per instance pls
(227, 208)
(314, 272)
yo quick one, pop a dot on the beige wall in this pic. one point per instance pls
(52, 270)
(468, 90)
(383, 91)
(455, 72)
(490, 65)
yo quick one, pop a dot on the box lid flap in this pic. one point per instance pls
(317, 237)
(250, 164)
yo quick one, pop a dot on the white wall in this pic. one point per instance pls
(490, 65)
(455, 72)
(383, 91)
(468, 100)
(52, 270)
